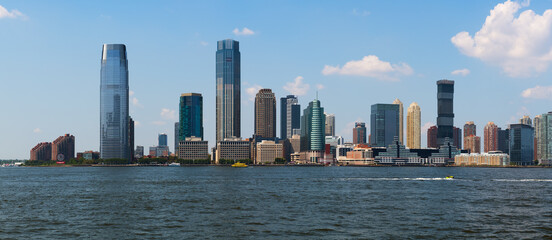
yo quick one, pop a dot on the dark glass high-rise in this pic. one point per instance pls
(228, 115)
(114, 109)
(445, 110)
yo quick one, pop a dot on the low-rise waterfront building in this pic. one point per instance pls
(193, 148)
(42, 152)
(63, 148)
(268, 151)
(233, 149)
(494, 158)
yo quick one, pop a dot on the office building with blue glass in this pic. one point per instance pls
(445, 111)
(191, 116)
(521, 144)
(290, 116)
(312, 127)
(384, 124)
(114, 107)
(228, 114)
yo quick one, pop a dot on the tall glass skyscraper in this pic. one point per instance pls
(445, 110)
(191, 116)
(290, 116)
(114, 118)
(312, 127)
(384, 124)
(228, 89)
(521, 144)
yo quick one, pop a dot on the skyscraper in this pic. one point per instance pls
(265, 114)
(228, 116)
(359, 133)
(521, 144)
(162, 137)
(330, 125)
(445, 110)
(384, 124)
(544, 137)
(490, 137)
(312, 127)
(413, 126)
(472, 143)
(432, 137)
(457, 137)
(537, 125)
(290, 116)
(526, 120)
(401, 119)
(190, 116)
(114, 118)
(176, 136)
(504, 140)
(470, 129)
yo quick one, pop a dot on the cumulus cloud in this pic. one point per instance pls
(538, 92)
(137, 124)
(168, 114)
(244, 32)
(520, 44)
(297, 87)
(462, 72)
(320, 86)
(4, 13)
(426, 126)
(37, 130)
(370, 66)
(252, 91)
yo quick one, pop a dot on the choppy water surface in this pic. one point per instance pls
(275, 203)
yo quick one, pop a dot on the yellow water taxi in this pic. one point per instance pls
(239, 164)
(449, 177)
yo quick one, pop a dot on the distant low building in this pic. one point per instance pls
(139, 153)
(268, 151)
(63, 148)
(193, 149)
(494, 158)
(233, 149)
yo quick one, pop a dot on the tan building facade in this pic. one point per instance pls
(401, 119)
(472, 143)
(268, 151)
(413, 126)
(265, 114)
(233, 149)
(485, 159)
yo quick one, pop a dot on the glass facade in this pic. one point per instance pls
(445, 110)
(162, 139)
(521, 144)
(191, 116)
(228, 89)
(290, 116)
(312, 127)
(384, 124)
(114, 118)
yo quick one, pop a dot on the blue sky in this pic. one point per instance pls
(355, 53)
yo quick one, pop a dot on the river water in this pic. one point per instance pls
(275, 203)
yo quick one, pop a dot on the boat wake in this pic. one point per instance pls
(523, 180)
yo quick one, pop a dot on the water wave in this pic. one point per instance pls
(523, 180)
(398, 179)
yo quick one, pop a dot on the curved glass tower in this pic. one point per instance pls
(228, 89)
(114, 118)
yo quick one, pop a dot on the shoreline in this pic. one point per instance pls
(277, 165)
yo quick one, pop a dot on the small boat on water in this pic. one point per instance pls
(239, 164)
(174, 164)
(449, 177)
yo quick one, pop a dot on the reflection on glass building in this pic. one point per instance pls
(445, 110)
(384, 124)
(521, 144)
(290, 116)
(114, 118)
(228, 89)
(191, 116)
(312, 127)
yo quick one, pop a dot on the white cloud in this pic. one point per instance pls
(297, 87)
(360, 12)
(320, 86)
(37, 130)
(137, 124)
(538, 92)
(168, 114)
(370, 66)
(130, 93)
(462, 72)
(4, 13)
(203, 43)
(252, 91)
(135, 102)
(520, 44)
(159, 123)
(244, 32)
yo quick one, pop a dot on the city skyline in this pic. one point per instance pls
(153, 106)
